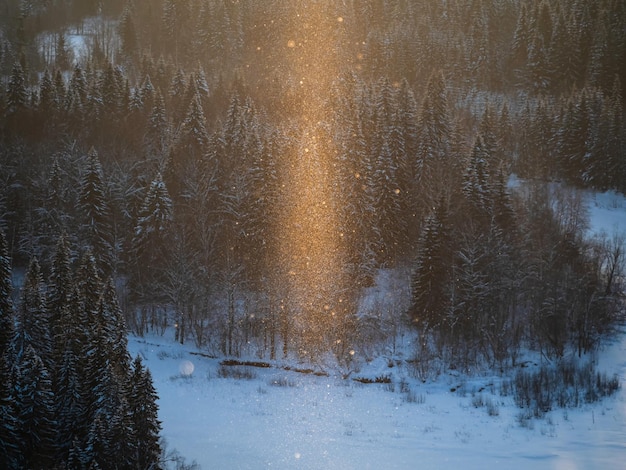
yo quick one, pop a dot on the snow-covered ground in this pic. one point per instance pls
(283, 419)
(607, 211)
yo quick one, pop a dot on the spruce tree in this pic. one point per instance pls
(128, 34)
(144, 412)
(430, 285)
(433, 124)
(17, 93)
(151, 236)
(47, 95)
(35, 411)
(59, 293)
(114, 332)
(9, 429)
(476, 182)
(70, 395)
(33, 320)
(96, 216)
(7, 314)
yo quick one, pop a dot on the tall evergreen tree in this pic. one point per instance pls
(128, 33)
(17, 93)
(48, 100)
(59, 294)
(476, 181)
(34, 324)
(35, 410)
(9, 428)
(113, 332)
(151, 235)
(430, 284)
(96, 217)
(144, 413)
(70, 392)
(7, 314)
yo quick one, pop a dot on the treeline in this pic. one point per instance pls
(171, 152)
(497, 275)
(69, 396)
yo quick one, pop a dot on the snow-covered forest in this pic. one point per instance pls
(314, 184)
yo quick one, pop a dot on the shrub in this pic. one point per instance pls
(566, 386)
(241, 372)
(283, 382)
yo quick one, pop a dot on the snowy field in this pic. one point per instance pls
(282, 419)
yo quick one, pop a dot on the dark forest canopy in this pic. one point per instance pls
(176, 144)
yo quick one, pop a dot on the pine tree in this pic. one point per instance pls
(124, 447)
(7, 314)
(76, 98)
(17, 93)
(157, 128)
(48, 101)
(128, 34)
(430, 284)
(59, 296)
(59, 88)
(434, 131)
(521, 41)
(476, 182)
(574, 138)
(61, 52)
(70, 394)
(176, 94)
(111, 89)
(34, 324)
(95, 211)
(390, 222)
(193, 132)
(144, 413)
(35, 410)
(151, 235)
(147, 94)
(113, 332)
(10, 453)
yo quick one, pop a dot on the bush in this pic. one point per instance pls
(239, 372)
(566, 386)
(283, 382)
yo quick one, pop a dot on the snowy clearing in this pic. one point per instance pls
(284, 419)
(274, 418)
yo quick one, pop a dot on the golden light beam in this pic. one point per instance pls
(312, 245)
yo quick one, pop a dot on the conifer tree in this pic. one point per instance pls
(430, 161)
(70, 393)
(144, 413)
(128, 34)
(34, 324)
(35, 410)
(113, 332)
(62, 52)
(574, 138)
(157, 127)
(17, 93)
(76, 97)
(431, 281)
(390, 223)
(59, 295)
(7, 314)
(96, 217)
(476, 181)
(48, 100)
(151, 234)
(9, 438)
